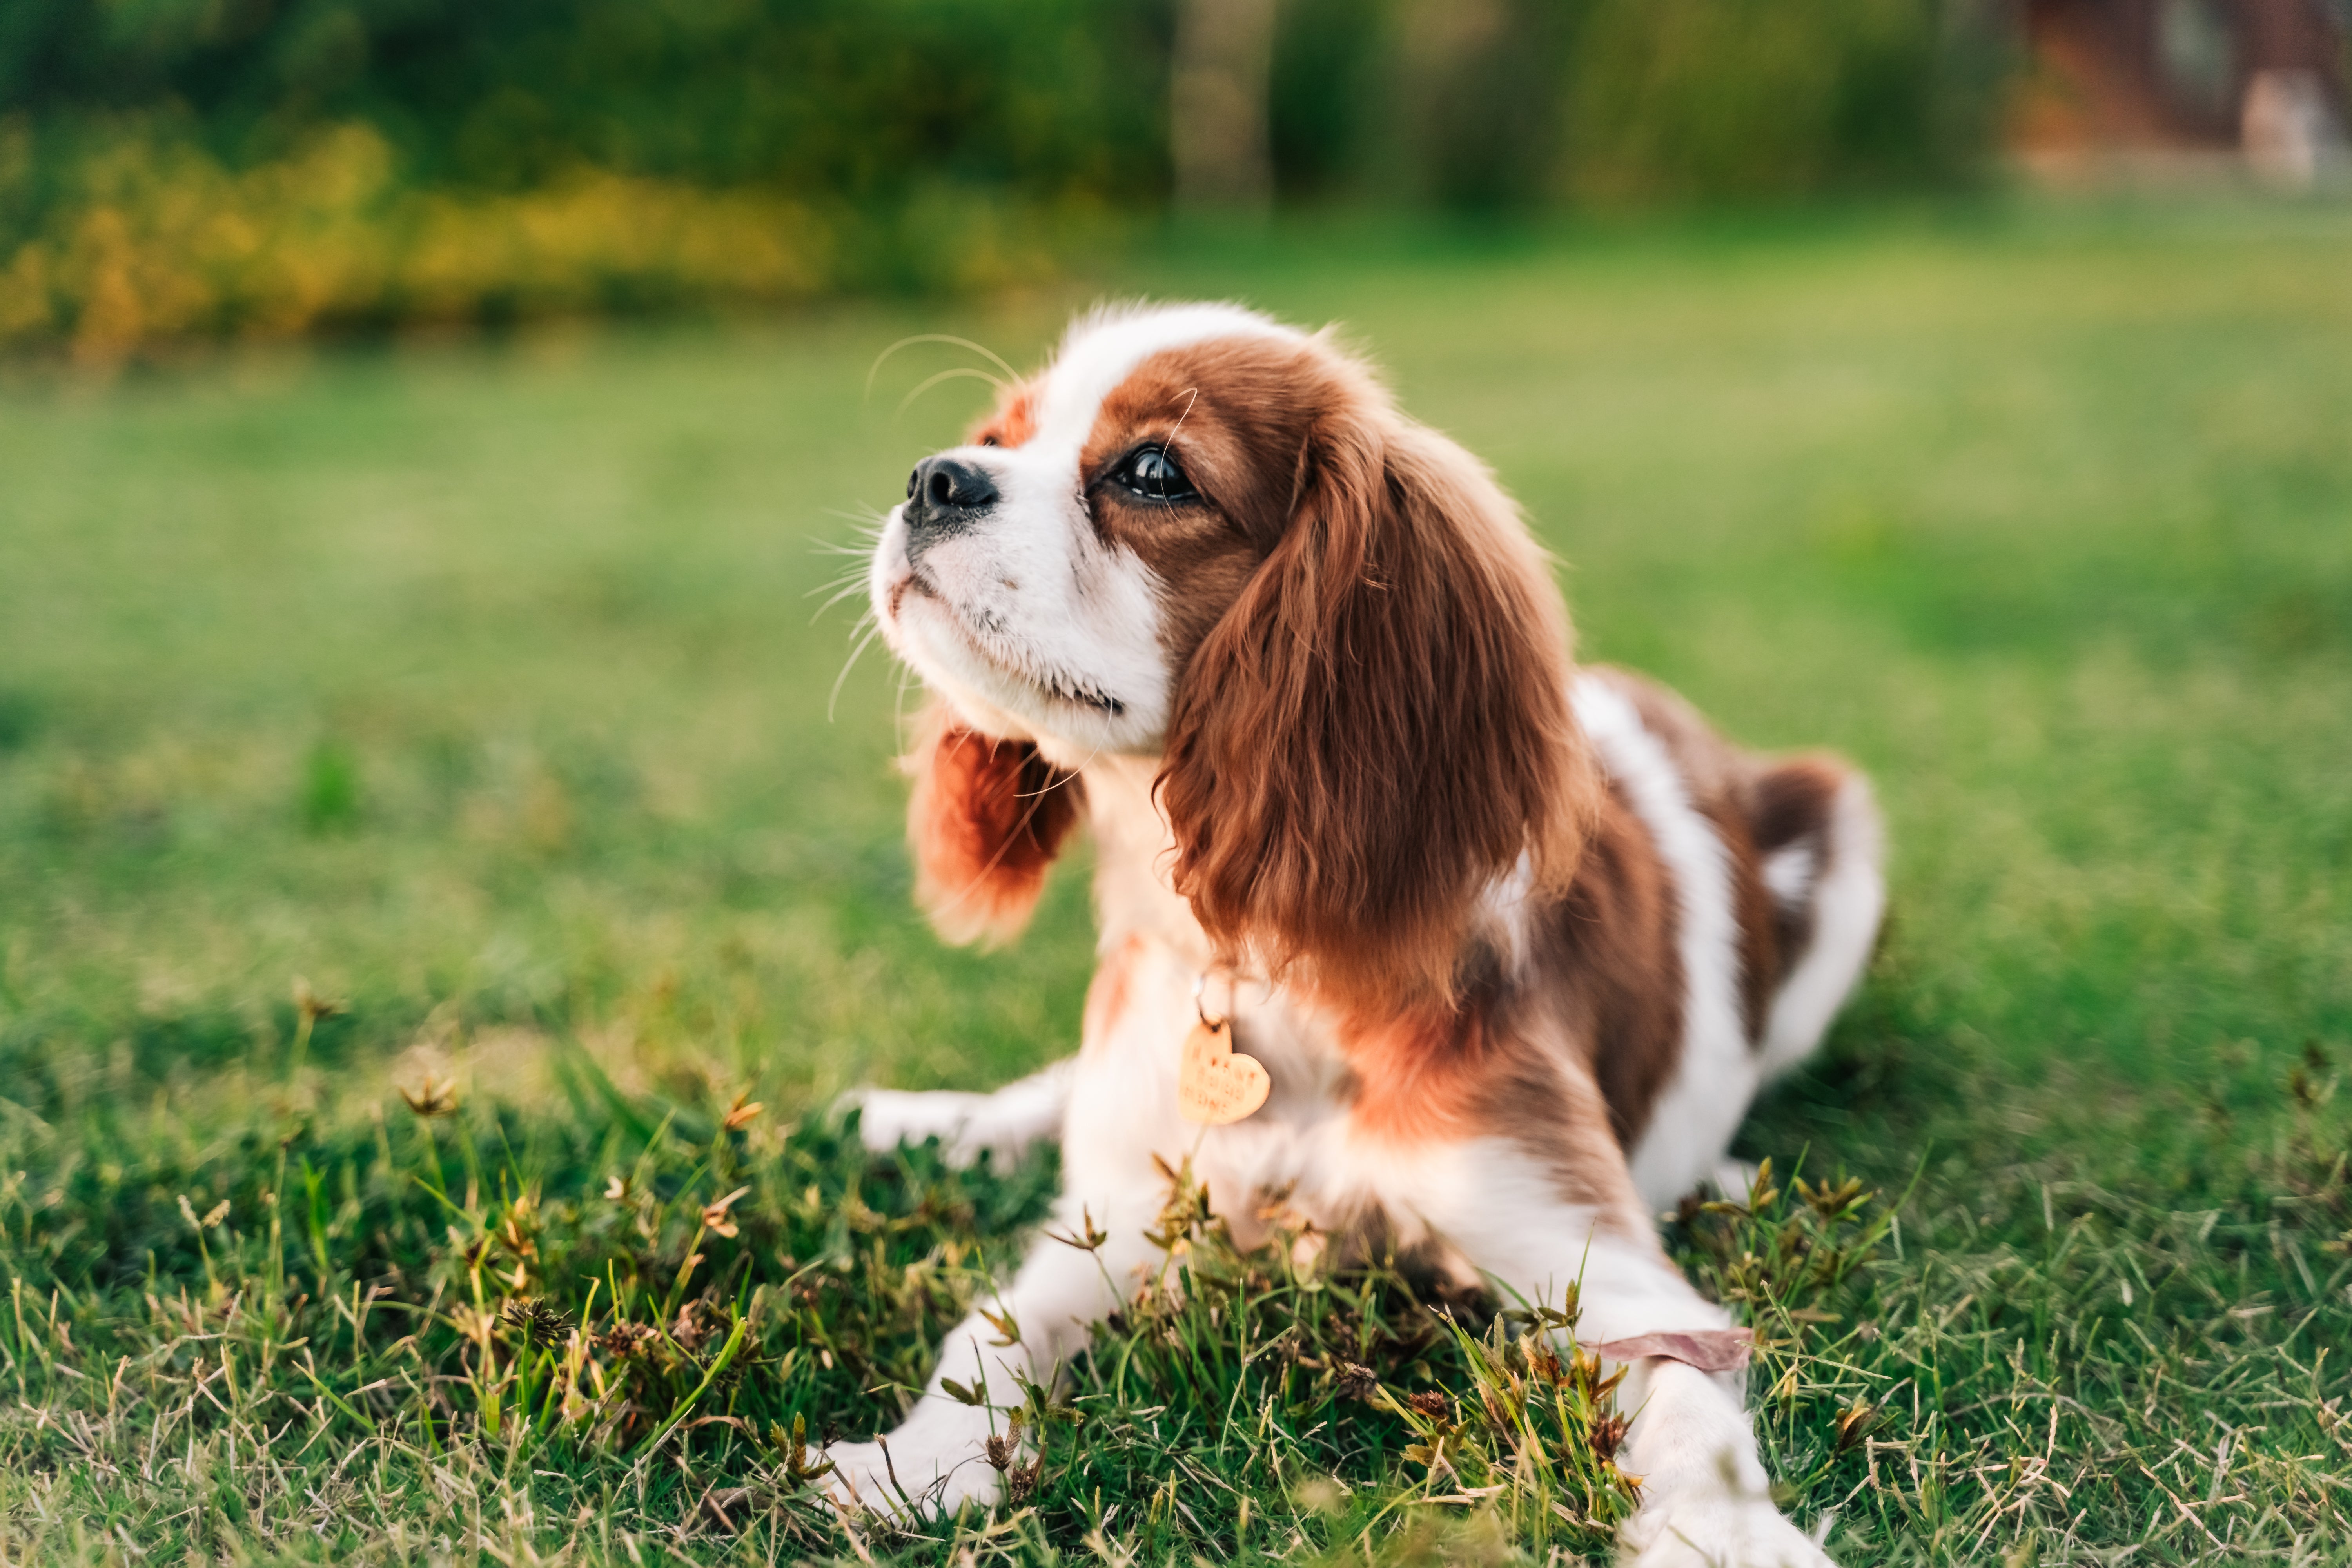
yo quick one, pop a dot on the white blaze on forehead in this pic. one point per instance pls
(1104, 347)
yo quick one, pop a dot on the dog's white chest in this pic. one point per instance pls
(1301, 1148)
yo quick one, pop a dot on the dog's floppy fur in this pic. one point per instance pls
(1516, 943)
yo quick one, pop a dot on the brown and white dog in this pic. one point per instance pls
(1515, 943)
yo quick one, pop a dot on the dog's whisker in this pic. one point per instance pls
(867, 523)
(960, 373)
(899, 706)
(834, 698)
(1065, 778)
(844, 579)
(848, 590)
(985, 353)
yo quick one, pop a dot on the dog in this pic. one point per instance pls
(1511, 945)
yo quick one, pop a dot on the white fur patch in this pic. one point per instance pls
(1849, 898)
(1103, 347)
(1788, 874)
(1692, 1121)
(1503, 908)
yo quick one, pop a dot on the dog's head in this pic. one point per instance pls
(1202, 536)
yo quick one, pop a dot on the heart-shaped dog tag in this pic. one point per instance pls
(1214, 1085)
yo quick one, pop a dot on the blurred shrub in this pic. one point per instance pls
(176, 168)
(1491, 104)
(1479, 90)
(149, 238)
(1756, 97)
(863, 99)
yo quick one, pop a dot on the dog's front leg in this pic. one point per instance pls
(1007, 1122)
(936, 1460)
(1706, 1501)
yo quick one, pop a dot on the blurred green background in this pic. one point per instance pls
(172, 169)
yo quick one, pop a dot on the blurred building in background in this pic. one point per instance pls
(2263, 79)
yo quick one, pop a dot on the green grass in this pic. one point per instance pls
(479, 688)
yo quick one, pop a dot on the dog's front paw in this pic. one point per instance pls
(907, 1477)
(1718, 1532)
(889, 1117)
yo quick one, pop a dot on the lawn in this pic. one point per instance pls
(443, 856)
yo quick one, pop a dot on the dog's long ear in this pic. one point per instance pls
(1379, 727)
(986, 819)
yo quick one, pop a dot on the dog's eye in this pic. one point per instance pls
(1153, 473)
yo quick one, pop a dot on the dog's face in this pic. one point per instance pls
(1204, 537)
(1053, 576)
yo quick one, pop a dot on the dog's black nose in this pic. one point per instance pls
(942, 495)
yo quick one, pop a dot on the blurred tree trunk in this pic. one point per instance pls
(1217, 105)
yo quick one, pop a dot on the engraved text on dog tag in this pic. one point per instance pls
(1214, 1085)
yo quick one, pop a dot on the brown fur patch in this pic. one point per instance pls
(1422, 1077)
(1013, 421)
(985, 820)
(1758, 806)
(1106, 991)
(1587, 1038)
(1558, 1115)
(1792, 799)
(1218, 407)
(1609, 955)
(1790, 802)
(1758, 946)
(1503, 1064)
(1374, 726)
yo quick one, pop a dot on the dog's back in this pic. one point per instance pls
(1771, 884)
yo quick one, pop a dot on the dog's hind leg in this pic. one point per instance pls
(1006, 1124)
(1705, 1496)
